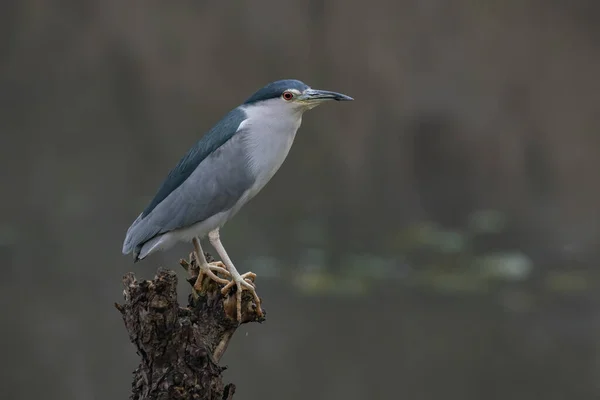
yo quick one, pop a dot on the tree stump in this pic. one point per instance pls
(180, 347)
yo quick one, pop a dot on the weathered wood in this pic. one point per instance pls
(180, 348)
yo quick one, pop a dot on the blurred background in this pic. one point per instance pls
(436, 238)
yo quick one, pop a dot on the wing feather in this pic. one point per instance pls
(213, 185)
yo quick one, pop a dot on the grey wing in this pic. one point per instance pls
(215, 186)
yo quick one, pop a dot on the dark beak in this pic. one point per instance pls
(314, 94)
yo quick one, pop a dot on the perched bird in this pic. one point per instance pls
(226, 168)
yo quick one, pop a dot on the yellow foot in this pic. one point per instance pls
(243, 282)
(207, 269)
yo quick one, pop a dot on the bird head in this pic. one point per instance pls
(294, 95)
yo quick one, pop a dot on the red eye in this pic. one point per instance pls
(288, 96)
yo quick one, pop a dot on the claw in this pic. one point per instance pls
(243, 282)
(248, 277)
(207, 269)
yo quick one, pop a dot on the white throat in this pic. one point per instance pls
(269, 132)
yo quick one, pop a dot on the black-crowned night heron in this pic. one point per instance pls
(226, 168)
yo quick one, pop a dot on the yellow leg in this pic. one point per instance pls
(206, 268)
(243, 282)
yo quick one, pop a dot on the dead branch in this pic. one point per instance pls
(180, 347)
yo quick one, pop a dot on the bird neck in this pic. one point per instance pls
(274, 117)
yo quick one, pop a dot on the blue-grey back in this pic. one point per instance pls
(212, 140)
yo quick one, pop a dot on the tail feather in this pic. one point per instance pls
(142, 239)
(157, 243)
(136, 253)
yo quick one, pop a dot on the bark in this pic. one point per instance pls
(180, 347)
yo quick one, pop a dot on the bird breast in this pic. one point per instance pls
(268, 142)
